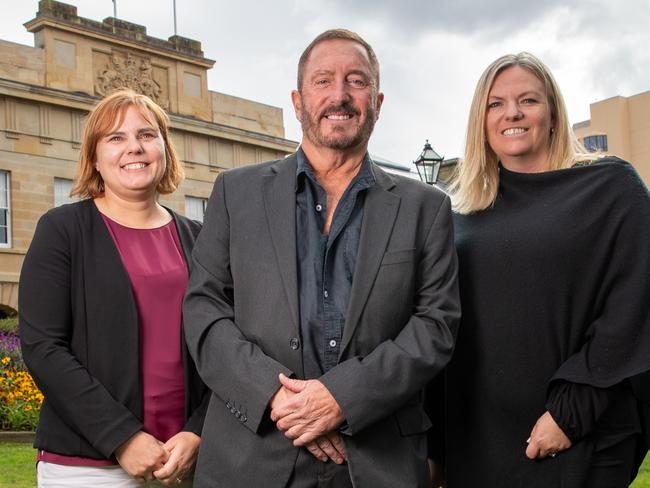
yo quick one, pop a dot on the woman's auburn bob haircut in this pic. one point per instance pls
(104, 118)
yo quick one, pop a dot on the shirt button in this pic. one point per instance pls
(319, 207)
(325, 294)
(332, 343)
(294, 343)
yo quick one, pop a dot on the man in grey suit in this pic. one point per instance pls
(323, 299)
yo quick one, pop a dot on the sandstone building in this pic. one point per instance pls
(620, 126)
(47, 90)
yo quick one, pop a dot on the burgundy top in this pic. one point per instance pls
(155, 263)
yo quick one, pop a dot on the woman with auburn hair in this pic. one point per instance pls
(100, 301)
(554, 254)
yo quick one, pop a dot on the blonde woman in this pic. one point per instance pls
(554, 251)
(100, 313)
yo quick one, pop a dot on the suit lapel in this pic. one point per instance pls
(280, 206)
(379, 213)
(110, 309)
(105, 271)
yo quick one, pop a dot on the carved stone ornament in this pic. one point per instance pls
(118, 74)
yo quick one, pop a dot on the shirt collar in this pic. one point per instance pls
(365, 178)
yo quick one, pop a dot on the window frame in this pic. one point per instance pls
(204, 202)
(68, 198)
(592, 143)
(7, 175)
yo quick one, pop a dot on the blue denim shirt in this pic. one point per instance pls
(326, 262)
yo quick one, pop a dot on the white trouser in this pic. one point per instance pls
(52, 475)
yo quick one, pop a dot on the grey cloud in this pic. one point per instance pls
(481, 18)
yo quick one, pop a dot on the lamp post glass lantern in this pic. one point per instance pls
(428, 164)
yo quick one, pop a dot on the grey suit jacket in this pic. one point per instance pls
(241, 324)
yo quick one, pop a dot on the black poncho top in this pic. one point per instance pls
(555, 288)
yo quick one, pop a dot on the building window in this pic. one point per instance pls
(62, 187)
(195, 208)
(595, 143)
(5, 210)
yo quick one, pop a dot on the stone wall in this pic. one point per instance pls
(22, 63)
(247, 114)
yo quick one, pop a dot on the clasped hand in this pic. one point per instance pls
(546, 438)
(307, 412)
(146, 458)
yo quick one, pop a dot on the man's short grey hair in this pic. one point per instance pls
(335, 34)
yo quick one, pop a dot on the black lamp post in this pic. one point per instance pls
(428, 164)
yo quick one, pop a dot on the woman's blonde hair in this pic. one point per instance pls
(476, 180)
(105, 117)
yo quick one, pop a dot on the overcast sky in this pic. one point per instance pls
(431, 51)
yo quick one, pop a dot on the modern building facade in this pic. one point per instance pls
(47, 90)
(620, 126)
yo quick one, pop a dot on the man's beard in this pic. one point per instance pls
(335, 140)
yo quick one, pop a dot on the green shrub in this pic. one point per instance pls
(9, 324)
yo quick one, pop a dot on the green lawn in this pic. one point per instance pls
(17, 467)
(643, 478)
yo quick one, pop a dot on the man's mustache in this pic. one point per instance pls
(345, 107)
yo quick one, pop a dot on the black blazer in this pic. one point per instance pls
(80, 335)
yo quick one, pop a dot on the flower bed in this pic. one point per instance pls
(20, 399)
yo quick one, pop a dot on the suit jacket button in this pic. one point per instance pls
(243, 418)
(294, 343)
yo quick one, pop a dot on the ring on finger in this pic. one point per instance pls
(552, 454)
